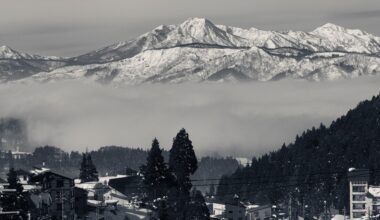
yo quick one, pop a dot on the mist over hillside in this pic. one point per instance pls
(229, 119)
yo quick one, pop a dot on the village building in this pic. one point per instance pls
(16, 155)
(237, 210)
(364, 198)
(61, 191)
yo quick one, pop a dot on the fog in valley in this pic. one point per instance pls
(222, 119)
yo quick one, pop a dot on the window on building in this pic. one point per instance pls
(59, 206)
(58, 195)
(59, 183)
(358, 188)
(267, 213)
(359, 182)
(358, 206)
(358, 214)
(358, 197)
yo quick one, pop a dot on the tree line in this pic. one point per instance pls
(314, 168)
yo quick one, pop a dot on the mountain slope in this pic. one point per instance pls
(186, 64)
(198, 50)
(314, 167)
(15, 65)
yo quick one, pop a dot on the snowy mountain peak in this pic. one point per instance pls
(4, 47)
(197, 50)
(202, 30)
(197, 22)
(331, 27)
(8, 53)
(197, 26)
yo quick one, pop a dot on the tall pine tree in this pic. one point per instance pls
(14, 201)
(156, 172)
(197, 208)
(183, 163)
(88, 172)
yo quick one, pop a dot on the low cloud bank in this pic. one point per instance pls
(225, 119)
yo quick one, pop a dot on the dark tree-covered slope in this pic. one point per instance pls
(314, 167)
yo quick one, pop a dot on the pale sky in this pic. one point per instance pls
(73, 27)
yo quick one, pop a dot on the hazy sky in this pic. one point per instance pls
(73, 27)
(231, 119)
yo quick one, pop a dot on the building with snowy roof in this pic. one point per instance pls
(364, 198)
(237, 210)
(61, 190)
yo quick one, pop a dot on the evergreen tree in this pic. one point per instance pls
(14, 201)
(10, 160)
(314, 167)
(163, 209)
(197, 209)
(14, 182)
(155, 172)
(88, 172)
(211, 191)
(183, 163)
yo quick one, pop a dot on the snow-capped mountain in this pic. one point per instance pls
(15, 65)
(198, 50)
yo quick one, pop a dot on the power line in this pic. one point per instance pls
(279, 180)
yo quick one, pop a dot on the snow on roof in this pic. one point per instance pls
(108, 178)
(374, 191)
(351, 169)
(21, 153)
(94, 203)
(87, 185)
(28, 187)
(252, 206)
(38, 171)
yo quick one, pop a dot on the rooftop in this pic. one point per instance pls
(374, 191)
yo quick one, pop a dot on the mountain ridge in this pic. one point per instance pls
(197, 50)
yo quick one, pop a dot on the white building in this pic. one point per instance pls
(256, 212)
(20, 154)
(239, 211)
(364, 199)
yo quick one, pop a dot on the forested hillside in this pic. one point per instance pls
(314, 168)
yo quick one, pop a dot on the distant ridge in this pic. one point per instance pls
(197, 50)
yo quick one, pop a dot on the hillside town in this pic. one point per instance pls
(49, 194)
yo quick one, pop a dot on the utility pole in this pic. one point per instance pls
(290, 208)
(344, 213)
(303, 209)
(62, 209)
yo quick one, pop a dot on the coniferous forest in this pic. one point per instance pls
(314, 168)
